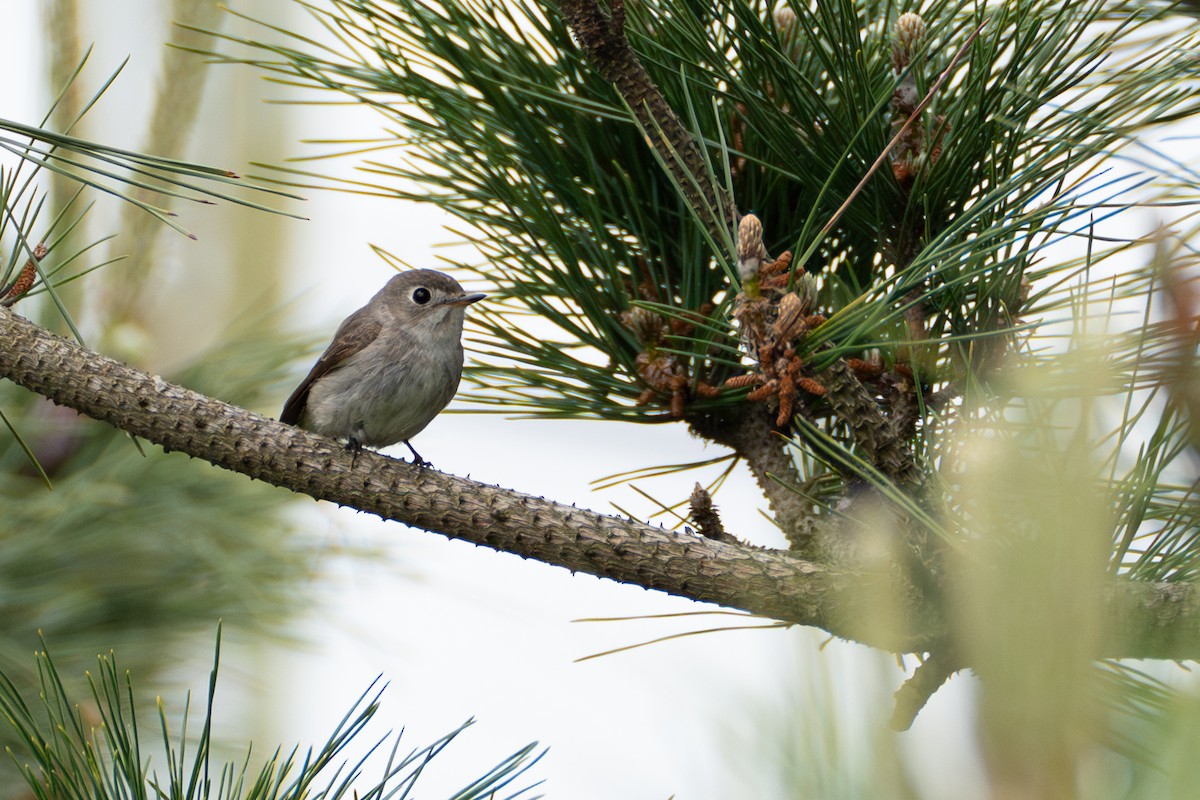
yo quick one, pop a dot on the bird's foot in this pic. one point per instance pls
(417, 461)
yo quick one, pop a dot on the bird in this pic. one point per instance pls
(392, 366)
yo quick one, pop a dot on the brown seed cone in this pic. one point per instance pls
(762, 392)
(781, 264)
(740, 381)
(24, 281)
(704, 514)
(647, 326)
(864, 370)
(811, 386)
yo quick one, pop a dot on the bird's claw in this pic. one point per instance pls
(417, 461)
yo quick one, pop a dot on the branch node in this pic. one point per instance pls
(915, 692)
(708, 521)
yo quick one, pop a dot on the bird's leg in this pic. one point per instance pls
(354, 443)
(417, 460)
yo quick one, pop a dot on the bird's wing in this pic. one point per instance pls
(358, 331)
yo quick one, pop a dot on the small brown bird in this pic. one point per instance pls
(392, 366)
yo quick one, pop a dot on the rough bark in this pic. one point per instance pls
(872, 430)
(1145, 620)
(602, 36)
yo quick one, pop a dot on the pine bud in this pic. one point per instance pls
(647, 326)
(910, 31)
(750, 250)
(787, 25)
(806, 287)
(910, 36)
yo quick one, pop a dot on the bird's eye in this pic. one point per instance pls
(421, 296)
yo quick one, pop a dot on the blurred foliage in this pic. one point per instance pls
(74, 747)
(813, 740)
(104, 543)
(140, 552)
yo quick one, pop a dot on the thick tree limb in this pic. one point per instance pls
(1145, 620)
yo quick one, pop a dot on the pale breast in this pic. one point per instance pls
(388, 391)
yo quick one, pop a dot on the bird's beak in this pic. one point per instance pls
(466, 299)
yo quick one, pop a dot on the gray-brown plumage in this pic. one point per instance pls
(392, 366)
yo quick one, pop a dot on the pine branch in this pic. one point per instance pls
(877, 435)
(1145, 620)
(602, 37)
(912, 696)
